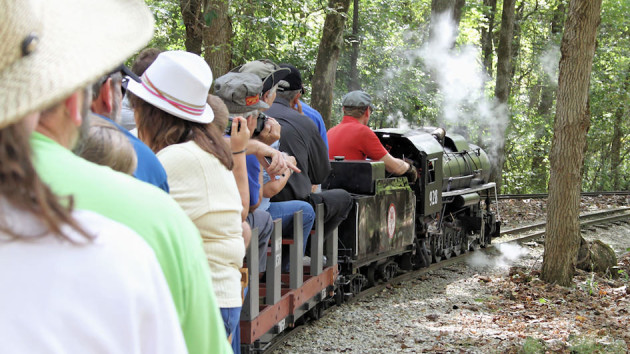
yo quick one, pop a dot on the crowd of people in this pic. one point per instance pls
(128, 196)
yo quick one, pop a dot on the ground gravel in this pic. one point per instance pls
(491, 303)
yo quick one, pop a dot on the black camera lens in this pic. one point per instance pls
(260, 123)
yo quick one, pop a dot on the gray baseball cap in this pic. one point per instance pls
(240, 92)
(357, 98)
(267, 71)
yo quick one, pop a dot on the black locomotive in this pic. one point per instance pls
(393, 226)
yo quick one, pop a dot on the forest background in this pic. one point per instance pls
(431, 63)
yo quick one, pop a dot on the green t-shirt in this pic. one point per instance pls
(156, 217)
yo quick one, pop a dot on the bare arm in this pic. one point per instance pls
(395, 165)
(278, 163)
(274, 186)
(247, 233)
(238, 141)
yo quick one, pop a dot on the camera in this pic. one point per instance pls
(260, 123)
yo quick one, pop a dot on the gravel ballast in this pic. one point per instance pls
(490, 303)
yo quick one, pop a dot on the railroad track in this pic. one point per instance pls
(519, 235)
(545, 195)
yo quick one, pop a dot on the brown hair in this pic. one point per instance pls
(355, 112)
(159, 129)
(106, 145)
(221, 113)
(21, 186)
(144, 60)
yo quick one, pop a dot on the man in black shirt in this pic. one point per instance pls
(300, 138)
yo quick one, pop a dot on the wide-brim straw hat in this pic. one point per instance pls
(50, 49)
(178, 83)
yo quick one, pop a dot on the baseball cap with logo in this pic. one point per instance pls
(293, 81)
(240, 92)
(267, 71)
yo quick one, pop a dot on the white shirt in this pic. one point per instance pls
(104, 296)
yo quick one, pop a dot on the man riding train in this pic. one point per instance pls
(354, 140)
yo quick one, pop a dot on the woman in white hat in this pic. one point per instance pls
(173, 118)
(72, 281)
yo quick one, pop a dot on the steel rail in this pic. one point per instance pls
(545, 195)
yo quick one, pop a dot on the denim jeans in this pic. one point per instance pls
(285, 210)
(231, 318)
(262, 220)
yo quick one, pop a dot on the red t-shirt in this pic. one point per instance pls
(355, 141)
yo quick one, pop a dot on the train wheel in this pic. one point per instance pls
(356, 285)
(339, 297)
(457, 250)
(473, 245)
(447, 252)
(407, 261)
(436, 253)
(388, 270)
(371, 274)
(317, 312)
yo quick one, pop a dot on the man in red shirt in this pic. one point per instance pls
(354, 140)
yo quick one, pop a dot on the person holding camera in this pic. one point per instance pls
(271, 74)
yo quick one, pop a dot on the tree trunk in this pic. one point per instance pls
(454, 6)
(217, 35)
(327, 57)
(615, 151)
(547, 96)
(567, 149)
(502, 90)
(515, 46)
(487, 46)
(353, 80)
(192, 15)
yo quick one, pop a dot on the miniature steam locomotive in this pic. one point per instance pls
(393, 226)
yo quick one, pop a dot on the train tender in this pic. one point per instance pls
(394, 225)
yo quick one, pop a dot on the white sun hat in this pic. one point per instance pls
(178, 83)
(50, 49)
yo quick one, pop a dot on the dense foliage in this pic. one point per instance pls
(418, 80)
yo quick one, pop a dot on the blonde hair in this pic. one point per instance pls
(106, 145)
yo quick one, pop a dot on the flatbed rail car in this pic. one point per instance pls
(284, 299)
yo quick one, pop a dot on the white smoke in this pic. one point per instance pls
(462, 81)
(549, 61)
(508, 254)
(463, 87)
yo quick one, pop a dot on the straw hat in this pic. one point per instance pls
(178, 83)
(50, 49)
